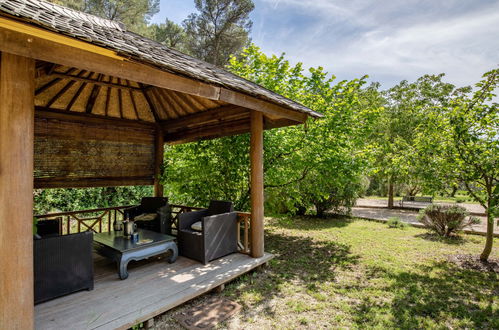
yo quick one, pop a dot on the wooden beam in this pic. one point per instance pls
(209, 132)
(36, 43)
(202, 117)
(94, 81)
(86, 118)
(159, 149)
(271, 110)
(17, 92)
(47, 183)
(256, 158)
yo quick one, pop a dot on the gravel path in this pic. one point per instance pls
(472, 208)
(408, 216)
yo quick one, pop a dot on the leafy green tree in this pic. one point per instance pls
(466, 133)
(316, 165)
(135, 14)
(170, 34)
(219, 30)
(404, 113)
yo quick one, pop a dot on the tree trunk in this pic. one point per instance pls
(454, 191)
(490, 236)
(390, 194)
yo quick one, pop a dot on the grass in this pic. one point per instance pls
(339, 272)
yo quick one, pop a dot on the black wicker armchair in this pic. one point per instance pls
(217, 236)
(62, 265)
(160, 210)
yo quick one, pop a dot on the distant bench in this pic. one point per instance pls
(416, 199)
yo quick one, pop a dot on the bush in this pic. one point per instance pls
(395, 222)
(445, 220)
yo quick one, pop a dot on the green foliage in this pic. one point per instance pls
(169, 34)
(445, 220)
(318, 165)
(219, 30)
(195, 173)
(135, 14)
(54, 200)
(406, 109)
(395, 222)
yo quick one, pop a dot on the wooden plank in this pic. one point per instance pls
(30, 44)
(17, 90)
(202, 117)
(272, 110)
(159, 149)
(154, 285)
(256, 158)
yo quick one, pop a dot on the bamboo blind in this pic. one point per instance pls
(89, 154)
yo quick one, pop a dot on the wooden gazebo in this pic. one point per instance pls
(85, 103)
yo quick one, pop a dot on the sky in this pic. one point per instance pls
(389, 40)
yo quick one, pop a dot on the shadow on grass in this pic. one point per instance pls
(297, 260)
(432, 295)
(311, 223)
(453, 240)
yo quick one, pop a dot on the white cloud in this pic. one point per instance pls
(390, 40)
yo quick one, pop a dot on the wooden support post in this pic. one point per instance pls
(159, 147)
(17, 76)
(256, 156)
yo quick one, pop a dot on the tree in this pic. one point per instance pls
(170, 34)
(318, 165)
(473, 123)
(135, 14)
(219, 30)
(404, 112)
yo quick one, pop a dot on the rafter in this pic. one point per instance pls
(151, 105)
(78, 92)
(165, 107)
(51, 83)
(93, 95)
(93, 81)
(132, 97)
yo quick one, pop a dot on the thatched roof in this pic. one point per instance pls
(114, 36)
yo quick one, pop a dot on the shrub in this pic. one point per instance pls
(395, 222)
(446, 220)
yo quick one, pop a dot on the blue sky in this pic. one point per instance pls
(390, 40)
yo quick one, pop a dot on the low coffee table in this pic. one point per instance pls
(115, 246)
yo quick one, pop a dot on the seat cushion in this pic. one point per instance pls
(197, 226)
(146, 217)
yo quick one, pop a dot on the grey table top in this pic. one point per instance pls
(117, 241)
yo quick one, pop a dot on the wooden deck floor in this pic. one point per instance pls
(153, 287)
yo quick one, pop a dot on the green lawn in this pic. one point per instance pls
(339, 273)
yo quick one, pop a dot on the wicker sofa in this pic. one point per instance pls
(62, 265)
(218, 234)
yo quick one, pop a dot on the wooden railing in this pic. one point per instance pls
(243, 232)
(101, 220)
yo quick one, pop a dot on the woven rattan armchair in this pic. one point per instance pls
(62, 265)
(218, 234)
(152, 205)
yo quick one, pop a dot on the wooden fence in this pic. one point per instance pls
(102, 219)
